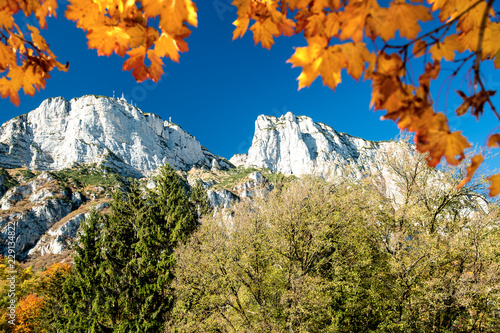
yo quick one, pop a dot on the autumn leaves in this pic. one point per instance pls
(112, 26)
(361, 37)
(25, 58)
(336, 32)
(125, 28)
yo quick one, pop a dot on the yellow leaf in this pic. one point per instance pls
(6, 18)
(7, 57)
(264, 32)
(404, 17)
(356, 55)
(86, 14)
(332, 25)
(475, 163)
(108, 40)
(447, 48)
(47, 8)
(166, 46)
(309, 59)
(244, 7)
(330, 67)
(241, 27)
(352, 21)
(175, 13)
(37, 39)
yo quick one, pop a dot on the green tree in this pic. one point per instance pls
(125, 260)
(409, 252)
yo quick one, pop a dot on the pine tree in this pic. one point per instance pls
(125, 261)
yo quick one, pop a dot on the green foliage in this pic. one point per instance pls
(9, 181)
(319, 257)
(25, 175)
(90, 175)
(235, 176)
(125, 260)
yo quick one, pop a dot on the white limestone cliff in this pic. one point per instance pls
(297, 145)
(93, 129)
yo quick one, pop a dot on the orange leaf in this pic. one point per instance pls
(264, 32)
(495, 185)
(155, 70)
(136, 63)
(475, 163)
(494, 141)
(419, 48)
(435, 138)
(241, 27)
(166, 46)
(404, 17)
(447, 48)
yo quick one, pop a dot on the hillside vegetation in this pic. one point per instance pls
(311, 256)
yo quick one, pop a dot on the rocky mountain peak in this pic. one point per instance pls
(297, 145)
(103, 130)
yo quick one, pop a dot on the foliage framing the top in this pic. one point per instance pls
(336, 33)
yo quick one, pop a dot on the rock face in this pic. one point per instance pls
(58, 238)
(297, 145)
(38, 206)
(103, 130)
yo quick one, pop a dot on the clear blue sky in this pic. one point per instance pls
(220, 86)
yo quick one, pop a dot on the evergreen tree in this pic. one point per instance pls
(125, 261)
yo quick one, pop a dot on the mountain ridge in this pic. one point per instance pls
(80, 150)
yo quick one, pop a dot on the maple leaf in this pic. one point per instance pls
(6, 18)
(436, 139)
(46, 8)
(315, 25)
(263, 32)
(166, 46)
(86, 14)
(356, 55)
(495, 185)
(175, 13)
(155, 70)
(447, 48)
(309, 59)
(244, 7)
(7, 57)
(136, 63)
(241, 27)
(471, 169)
(352, 21)
(404, 18)
(332, 25)
(108, 40)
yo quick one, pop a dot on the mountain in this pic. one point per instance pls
(97, 129)
(297, 145)
(65, 157)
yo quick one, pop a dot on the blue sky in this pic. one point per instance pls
(220, 86)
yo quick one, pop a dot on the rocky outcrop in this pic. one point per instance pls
(297, 145)
(91, 129)
(252, 186)
(58, 238)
